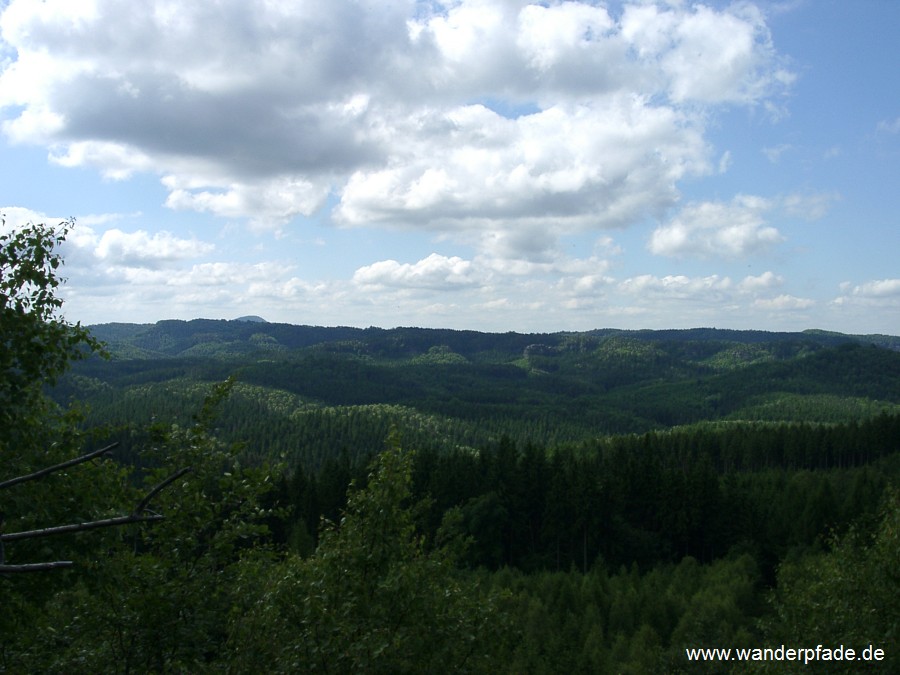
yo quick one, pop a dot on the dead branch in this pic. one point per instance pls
(80, 527)
(57, 467)
(36, 567)
(142, 506)
(136, 516)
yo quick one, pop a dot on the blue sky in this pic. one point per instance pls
(476, 164)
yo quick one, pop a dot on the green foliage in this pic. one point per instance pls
(628, 622)
(845, 596)
(371, 598)
(656, 498)
(159, 598)
(37, 344)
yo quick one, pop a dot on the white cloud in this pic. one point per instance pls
(714, 229)
(677, 287)
(17, 216)
(809, 206)
(436, 272)
(228, 273)
(217, 289)
(765, 280)
(116, 161)
(734, 229)
(87, 248)
(140, 249)
(876, 292)
(783, 302)
(138, 267)
(706, 55)
(859, 303)
(583, 292)
(553, 35)
(881, 288)
(267, 205)
(450, 291)
(513, 187)
(400, 111)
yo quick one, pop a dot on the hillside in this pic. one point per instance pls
(250, 334)
(303, 390)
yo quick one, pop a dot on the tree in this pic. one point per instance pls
(46, 476)
(160, 599)
(38, 343)
(39, 441)
(846, 596)
(37, 438)
(372, 598)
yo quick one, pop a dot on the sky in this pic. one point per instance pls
(493, 165)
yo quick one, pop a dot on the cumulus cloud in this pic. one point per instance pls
(765, 280)
(734, 48)
(677, 286)
(882, 288)
(504, 183)
(141, 270)
(17, 216)
(112, 255)
(436, 272)
(266, 206)
(467, 118)
(87, 247)
(878, 293)
(714, 229)
(140, 249)
(734, 229)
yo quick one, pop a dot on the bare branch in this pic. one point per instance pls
(35, 567)
(57, 467)
(80, 527)
(158, 488)
(136, 516)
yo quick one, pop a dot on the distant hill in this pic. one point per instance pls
(254, 334)
(309, 392)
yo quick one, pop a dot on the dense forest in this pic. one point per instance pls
(256, 497)
(309, 393)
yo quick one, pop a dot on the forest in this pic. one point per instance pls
(244, 496)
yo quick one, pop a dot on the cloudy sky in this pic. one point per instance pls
(483, 164)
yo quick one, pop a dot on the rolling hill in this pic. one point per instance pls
(308, 392)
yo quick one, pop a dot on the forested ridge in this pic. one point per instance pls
(467, 388)
(572, 502)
